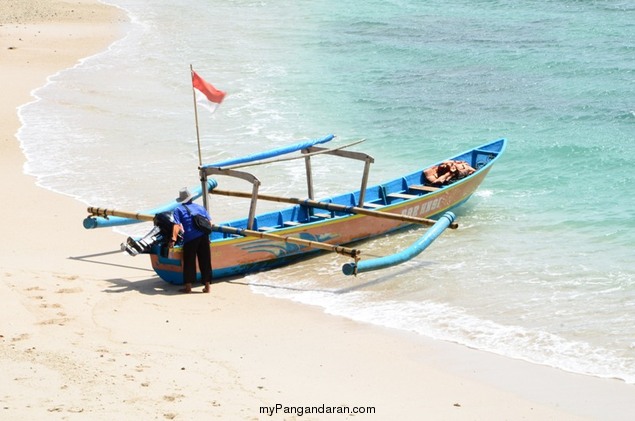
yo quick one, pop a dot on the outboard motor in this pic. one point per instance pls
(159, 234)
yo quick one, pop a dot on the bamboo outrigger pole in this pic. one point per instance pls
(354, 253)
(105, 213)
(335, 207)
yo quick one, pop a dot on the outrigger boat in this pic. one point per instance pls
(272, 239)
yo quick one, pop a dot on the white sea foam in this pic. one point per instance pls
(454, 324)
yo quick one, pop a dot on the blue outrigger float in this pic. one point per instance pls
(272, 239)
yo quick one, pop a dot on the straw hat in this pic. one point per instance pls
(184, 195)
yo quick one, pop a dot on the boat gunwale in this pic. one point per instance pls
(241, 223)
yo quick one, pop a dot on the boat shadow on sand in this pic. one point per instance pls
(149, 286)
(154, 285)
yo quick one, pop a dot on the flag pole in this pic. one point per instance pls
(202, 174)
(198, 137)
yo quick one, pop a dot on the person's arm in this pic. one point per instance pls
(176, 228)
(175, 233)
(431, 175)
(445, 177)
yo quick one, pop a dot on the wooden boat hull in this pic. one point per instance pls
(236, 255)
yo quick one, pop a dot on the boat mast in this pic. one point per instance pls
(198, 143)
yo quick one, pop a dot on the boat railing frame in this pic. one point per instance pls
(359, 156)
(206, 171)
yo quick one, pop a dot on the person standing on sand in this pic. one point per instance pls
(195, 242)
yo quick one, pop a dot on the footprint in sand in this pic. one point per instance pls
(141, 367)
(67, 277)
(69, 290)
(172, 398)
(44, 305)
(20, 337)
(60, 321)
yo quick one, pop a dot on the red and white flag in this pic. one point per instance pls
(206, 95)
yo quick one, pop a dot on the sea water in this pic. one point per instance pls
(542, 266)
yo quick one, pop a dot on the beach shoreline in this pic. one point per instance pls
(89, 332)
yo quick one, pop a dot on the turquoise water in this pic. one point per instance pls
(542, 266)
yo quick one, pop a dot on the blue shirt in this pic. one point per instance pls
(181, 216)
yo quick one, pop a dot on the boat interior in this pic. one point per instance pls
(376, 197)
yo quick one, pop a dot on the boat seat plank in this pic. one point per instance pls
(402, 196)
(420, 187)
(324, 215)
(372, 205)
(291, 223)
(266, 228)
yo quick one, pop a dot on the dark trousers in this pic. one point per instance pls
(197, 248)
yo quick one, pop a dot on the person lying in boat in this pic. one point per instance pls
(447, 171)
